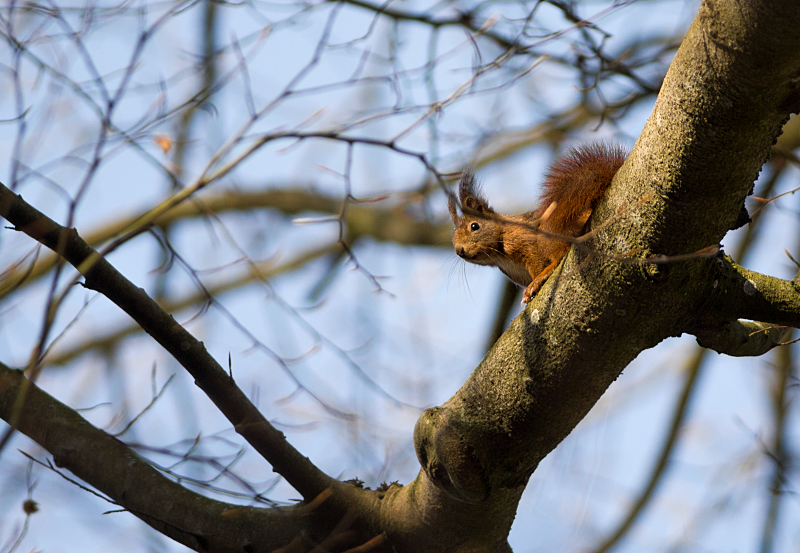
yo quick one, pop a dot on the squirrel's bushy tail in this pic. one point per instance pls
(576, 182)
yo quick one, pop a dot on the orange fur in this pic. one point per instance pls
(572, 189)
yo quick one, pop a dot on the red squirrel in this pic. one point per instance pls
(572, 189)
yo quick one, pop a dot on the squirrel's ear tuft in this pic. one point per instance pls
(470, 193)
(452, 205)
(468, 186)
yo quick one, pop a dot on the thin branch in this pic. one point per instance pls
(99, 275)
(259, 272)
(661, 465)
(779, 452)
(388, 224)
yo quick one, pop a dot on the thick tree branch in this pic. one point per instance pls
(99, 275)
(693, 370)
(729, 89)
(109, 465)
(745, 294)
(732, 293)
(723, 103)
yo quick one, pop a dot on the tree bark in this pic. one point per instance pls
(635, 280)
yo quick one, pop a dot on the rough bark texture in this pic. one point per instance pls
(130, 482)
(727, 94)
(732, 85)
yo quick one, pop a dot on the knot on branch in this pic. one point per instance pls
(447, 459)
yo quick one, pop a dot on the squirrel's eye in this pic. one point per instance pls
(474, 226)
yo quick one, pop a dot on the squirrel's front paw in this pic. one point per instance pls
(530, 291)
(535, 285)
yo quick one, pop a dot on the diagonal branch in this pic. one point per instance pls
(259, 271)
(102, 277)
(128, 480)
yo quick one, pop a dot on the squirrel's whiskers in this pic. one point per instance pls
(525, 247)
